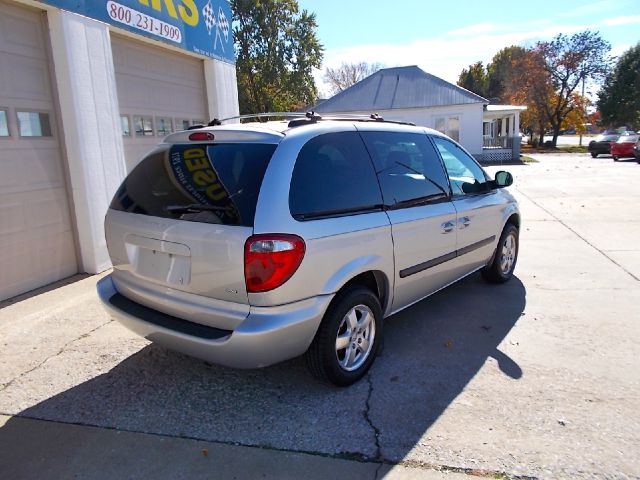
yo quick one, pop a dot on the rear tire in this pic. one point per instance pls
(616, 158)
(500, 270)
(594, 155)
(348, 338)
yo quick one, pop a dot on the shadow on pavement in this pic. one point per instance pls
(432, 351)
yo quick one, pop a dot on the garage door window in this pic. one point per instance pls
(144, 126)
(182, 124)
(164, 126)
(34, 124)
(4, 124)
(126, 126)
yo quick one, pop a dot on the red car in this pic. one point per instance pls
(624, 146)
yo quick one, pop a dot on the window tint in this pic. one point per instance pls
(407, 166)
(465, 175)
(204, 183)
(4, 125)
(34, 124)
(333, 175)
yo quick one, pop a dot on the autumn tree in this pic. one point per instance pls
(567, 61)
(276, 52)
(499, 72)
(474, 79)
(348, 74)
(619, 98)
(530, 85)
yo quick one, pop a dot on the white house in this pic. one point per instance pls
(85, 89)
(412, 95)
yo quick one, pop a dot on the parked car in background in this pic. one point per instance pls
(636, 151)
(623, 148)
(250, 244)
(602, 143)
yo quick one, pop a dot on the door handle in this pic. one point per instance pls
(447, 227)
(463, 222)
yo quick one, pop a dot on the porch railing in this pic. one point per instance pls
(497, 142)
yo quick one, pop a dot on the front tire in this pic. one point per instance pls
(594, 154)
(500, 270)
(616, 158)
(348, 338)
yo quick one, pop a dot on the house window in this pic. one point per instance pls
(450, 126)
(144, 126)
(126, 126)
(34, 124)
(4, 124)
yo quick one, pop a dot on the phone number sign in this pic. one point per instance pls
(200, 26)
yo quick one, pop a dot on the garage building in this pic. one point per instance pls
(86, 88)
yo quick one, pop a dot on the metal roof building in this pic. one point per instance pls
(399, 88)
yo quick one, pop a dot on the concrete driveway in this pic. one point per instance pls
(536, 378)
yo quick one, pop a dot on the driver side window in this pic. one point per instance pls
(460, 167)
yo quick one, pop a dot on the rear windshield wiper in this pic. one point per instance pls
(195, 208)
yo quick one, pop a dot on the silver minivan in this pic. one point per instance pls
(249, 244)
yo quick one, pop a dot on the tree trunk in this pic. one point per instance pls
(556, 132)
(541, 143)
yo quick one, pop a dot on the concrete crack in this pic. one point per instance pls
(59, 352)
(376, 431)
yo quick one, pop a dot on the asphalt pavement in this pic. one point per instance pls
(535, 378)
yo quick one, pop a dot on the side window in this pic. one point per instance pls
(407, 166)
(4, 123)
(465, 175)
(333, 176)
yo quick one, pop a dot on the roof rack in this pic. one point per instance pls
(307, 118)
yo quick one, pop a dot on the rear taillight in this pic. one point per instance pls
(270, 260)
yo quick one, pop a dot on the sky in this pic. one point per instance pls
(443, 37)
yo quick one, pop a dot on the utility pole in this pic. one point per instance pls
(584, 109)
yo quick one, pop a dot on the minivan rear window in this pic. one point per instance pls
(216, 183)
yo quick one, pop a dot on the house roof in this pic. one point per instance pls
(399, 87)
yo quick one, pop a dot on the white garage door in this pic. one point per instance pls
(36, 236)
(159, 92)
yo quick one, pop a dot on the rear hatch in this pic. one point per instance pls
(176, 228)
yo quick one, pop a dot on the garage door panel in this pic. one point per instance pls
(37, 243)
(46, 263)
(33, 216)
(21, 32)
(29, 78)
(30, 169)
(157, 83)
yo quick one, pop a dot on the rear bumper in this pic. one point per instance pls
(268, 335)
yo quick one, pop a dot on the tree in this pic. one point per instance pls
(530, 85)
(347, 74)
(276, 52)
(619, 98)
(474, 79)
(568, 61)
(499, 72)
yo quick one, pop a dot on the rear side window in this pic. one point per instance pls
(407, 166)
(333, 176)
(202, 183)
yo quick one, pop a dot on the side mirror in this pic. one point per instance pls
(503, 179)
